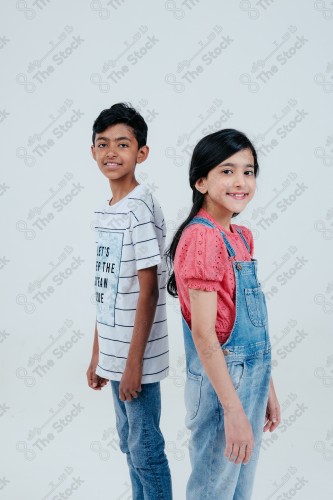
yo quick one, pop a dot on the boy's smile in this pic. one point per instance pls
(116, 152)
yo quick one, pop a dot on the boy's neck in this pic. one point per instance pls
(120, 189)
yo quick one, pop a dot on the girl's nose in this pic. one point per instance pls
(239, 179)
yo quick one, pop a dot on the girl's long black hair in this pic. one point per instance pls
(207, 154)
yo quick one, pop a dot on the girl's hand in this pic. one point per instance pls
(239, 436)
(273, 416)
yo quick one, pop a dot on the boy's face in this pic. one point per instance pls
(116, 152)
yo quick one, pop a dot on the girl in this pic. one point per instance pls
(229, 394)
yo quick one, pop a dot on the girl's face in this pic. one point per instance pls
(229, 186)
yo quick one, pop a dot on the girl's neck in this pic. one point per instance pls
(121, 189)
(224, 219)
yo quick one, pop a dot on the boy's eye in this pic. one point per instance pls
(123, 145)
(249, 172)
(101, 145)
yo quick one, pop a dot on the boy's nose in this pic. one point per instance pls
(111, 153)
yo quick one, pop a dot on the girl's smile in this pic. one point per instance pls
(238, 196)
(229, 187)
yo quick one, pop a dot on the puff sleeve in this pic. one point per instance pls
(202, 257)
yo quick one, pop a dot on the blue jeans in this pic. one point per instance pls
(142, 440)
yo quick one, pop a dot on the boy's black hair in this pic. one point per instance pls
(122, 113)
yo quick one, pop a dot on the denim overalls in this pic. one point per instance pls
(248, 356)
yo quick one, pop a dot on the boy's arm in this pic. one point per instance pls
(95, 350)
(95, 381)
(130, 383)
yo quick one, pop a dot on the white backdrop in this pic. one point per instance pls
(191, 67)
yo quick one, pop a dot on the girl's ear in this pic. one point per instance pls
(201, 185)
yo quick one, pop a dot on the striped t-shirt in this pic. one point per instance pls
(130, 236)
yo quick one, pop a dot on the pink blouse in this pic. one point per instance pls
(202, 263)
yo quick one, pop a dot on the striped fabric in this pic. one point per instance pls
(130, 236)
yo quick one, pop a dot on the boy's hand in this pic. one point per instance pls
(95, 381)
(130, 383)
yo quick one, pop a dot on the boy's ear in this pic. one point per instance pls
(92, 147)
(201, 185)
(142, 154)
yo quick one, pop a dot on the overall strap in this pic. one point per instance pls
(206, 222)
(201, 220)
(239, 231)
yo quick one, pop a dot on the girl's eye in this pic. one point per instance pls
(226, 171)
(249, 172)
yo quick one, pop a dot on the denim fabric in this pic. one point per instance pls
(248, 356)
(141, 439)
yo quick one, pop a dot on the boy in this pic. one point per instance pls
(131, 340)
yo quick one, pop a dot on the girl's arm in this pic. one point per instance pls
(238, 431)
(273, 412)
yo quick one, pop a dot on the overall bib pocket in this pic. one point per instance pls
(256, 305)
(192, 394)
